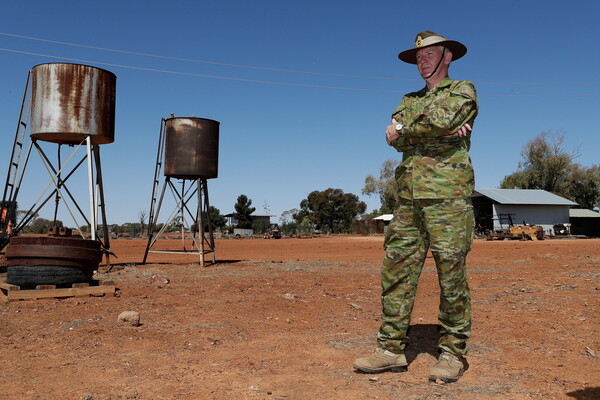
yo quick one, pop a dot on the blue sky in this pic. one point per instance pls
(313, 115)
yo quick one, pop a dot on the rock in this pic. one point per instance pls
(160, 280)
(131, 318)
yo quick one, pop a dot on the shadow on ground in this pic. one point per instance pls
(592, 393)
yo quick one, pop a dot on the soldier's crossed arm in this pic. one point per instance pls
(449, 115)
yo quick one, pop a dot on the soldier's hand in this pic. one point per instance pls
(391, 133)
(462, 131)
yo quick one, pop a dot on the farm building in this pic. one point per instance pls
(497, 209)
(584, 222)
(263, 220)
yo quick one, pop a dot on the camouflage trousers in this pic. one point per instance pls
(446, 227)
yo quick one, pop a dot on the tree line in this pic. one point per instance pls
(545, 165)
(328, 211)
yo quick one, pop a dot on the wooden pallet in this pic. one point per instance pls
(13, 292)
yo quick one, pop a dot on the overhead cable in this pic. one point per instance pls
(199, 75)
(204, 61)
(271, 82)
(281, 69)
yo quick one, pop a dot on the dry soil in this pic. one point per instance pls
(284, 319)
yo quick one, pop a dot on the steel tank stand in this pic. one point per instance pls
(57, 188)
(203, 244)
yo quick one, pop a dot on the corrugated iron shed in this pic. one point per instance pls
(583, 213)
(385, 217)
(523, 196)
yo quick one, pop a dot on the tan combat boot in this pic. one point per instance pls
(447, 369)
(380, 361)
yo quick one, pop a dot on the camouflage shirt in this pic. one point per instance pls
(434, 166)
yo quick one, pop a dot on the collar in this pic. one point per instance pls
(442, 84)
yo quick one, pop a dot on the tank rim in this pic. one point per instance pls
(77, 64)
(193, 118)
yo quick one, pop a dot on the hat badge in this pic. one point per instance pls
(419, 41)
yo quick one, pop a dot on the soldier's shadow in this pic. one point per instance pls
(423, 338)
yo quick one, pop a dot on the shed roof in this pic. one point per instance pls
(583, 213)
(523, 196)
(385, 217)
(253, 215)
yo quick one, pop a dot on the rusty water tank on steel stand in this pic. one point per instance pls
(70, 104)
(191, 152)
(71, 101)
(191, 148)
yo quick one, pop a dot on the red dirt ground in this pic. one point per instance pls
(284, 319)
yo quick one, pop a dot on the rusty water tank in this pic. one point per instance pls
(191, 148)
(71, 101)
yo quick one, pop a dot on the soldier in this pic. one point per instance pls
(432, 129)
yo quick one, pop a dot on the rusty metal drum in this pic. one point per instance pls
(191, 148)
(72, 101)
(38, 260)
(54, 250)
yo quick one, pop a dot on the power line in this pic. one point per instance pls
(204, 61)
(200, 75)
(270, 82)
(281, 69)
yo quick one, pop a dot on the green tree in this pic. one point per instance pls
(545, 166)
(288, 225)
(22, 215)
(216, 219)
(584, 186)
(40, 225)
(175, 224)
(288, 216)
(243, 212)
(305, 226)
(385, 187)
(289, 228)
(113, 228)
(331, 210)
(548, 167)
(260, 226)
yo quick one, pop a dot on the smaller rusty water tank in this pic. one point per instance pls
(191, 148)
(71, 101)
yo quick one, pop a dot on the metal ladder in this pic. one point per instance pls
(13, 179)
(156, 182)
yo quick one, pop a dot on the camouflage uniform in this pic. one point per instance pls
(435, 182)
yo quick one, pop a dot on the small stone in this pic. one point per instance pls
(160, 280)
(131, 318)
(590, 352)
